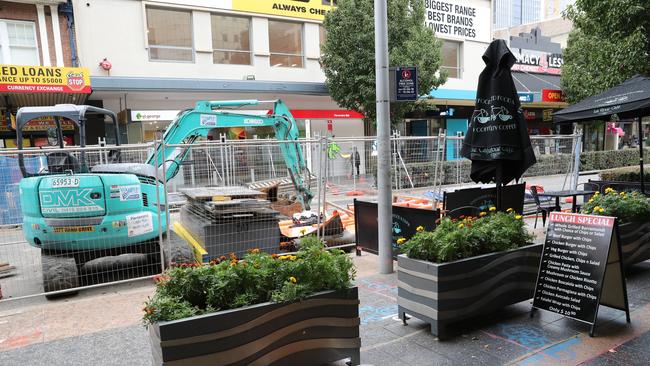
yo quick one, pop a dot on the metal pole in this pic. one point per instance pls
(384, 194)
(640, 120)
(320, 184)
(576, 161)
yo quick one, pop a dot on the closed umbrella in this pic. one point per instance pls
(497, 140)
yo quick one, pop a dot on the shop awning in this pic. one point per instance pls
(18, 100)
(149, 84)
(629, 99)
(527, 83)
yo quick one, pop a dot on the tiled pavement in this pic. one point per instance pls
(101, 327)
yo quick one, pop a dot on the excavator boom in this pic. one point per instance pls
(192, 124)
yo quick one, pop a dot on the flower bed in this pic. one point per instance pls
(632, 210)
(466, 268)
(263, 308)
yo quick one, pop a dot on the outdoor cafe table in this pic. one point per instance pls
(567, 193)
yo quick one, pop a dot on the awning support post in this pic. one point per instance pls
(642, 178)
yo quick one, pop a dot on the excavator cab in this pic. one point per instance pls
(58, 160)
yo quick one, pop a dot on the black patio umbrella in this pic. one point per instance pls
(497, 140)
(626, 100)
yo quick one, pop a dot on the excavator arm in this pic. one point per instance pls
(191, 124)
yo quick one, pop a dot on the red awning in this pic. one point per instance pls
(325, 114)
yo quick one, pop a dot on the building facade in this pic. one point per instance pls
(38, 62)
(466, 31)
(509, 13)
(154, 58)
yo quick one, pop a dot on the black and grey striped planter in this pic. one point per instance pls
(320, 329)
(635, 242)
(447, 293)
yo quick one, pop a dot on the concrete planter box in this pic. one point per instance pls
(447, 293)
(635, 242)
(319, 329)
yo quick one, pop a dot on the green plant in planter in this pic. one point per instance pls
(468, 237)
(626, 206)
(229, 283)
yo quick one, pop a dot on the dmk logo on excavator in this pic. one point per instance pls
(73, 200)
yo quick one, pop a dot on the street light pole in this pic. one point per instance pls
(384, 198)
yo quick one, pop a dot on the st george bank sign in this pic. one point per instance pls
(44, 79)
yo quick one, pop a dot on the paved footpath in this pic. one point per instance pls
(102, 327)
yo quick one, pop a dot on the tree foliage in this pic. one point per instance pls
(349, 53)
(609, 44)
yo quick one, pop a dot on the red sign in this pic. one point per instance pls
(330, 125)
(552, 95)
(528, 114)
(44, 79)
(325, 114)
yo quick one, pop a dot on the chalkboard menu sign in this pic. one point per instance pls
(512, 196)
(581, 267)
(405, 222)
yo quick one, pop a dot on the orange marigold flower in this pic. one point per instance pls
(233, 256)
(274, 256)
(222, 258)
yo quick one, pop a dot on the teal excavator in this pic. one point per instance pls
(91, 220)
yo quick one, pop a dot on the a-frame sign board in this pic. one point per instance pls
(581, 268)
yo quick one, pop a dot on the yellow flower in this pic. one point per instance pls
(460, 226)
(283, 257)
(292, 257)
(482, 214)
(293, 279)
(419, 229)
(509, 210)
(401, 241)
(518, 217)
(591, 200)
(596, 194)
(601, 210)
(596, 208)
(609, 190)
(622, 193)
(492, 209)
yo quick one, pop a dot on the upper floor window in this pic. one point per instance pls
(231, 40)
(322, 36)
(18, 43)
(170, 35)
(285, 44)
(451, 58)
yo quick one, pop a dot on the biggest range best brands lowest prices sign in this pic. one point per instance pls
(469, 20)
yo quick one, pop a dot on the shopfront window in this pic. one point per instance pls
(170, 35)
(451, 58)
(285, 44)
(231, 40)
(594, 136)
(322, 36)
(18, 43)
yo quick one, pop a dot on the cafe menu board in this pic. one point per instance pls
(580, 267)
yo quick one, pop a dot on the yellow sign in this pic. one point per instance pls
(74, 229)
(44, 79)
(305, 9)
(37, 124)
(547, 115)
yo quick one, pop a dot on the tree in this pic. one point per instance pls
(609, 44)
(349, 53)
